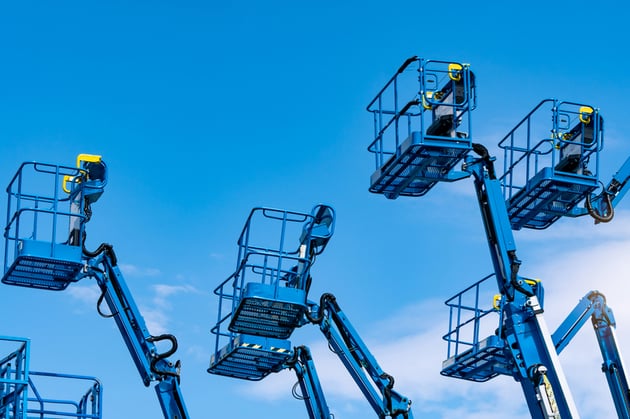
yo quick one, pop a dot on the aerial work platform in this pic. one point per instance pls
(45, 222)
(22, 390)
(421, 126)
(469, 356)
(266, 295)
(265, 299)
(551, 167)
(48, 208)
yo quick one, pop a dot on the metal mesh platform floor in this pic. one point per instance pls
(267, 318)
(422, 163)
(250, 357)
(267, 310)
(480, 363)
(43, 273)
(546, 198)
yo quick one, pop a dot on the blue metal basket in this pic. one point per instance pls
(551, 162)
(469, 356)
(422, 126)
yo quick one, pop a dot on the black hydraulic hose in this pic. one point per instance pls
(98, 306)
(88, 211)
(164, 355)
(109, 250)
(405, 108)
(101, 297)
(294, 358)
(605, 318)
(406, 63)
(298, 351)
(387, 394)
(103, 247)
(295, 393)
(326, 297)
(595, 214)
(387, 391)
(482, 151)
(514, 281)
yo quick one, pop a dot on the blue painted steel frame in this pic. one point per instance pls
(549, 168)
(265, 299)
(37, 250)
(374, 383)
(152, 365)
(522, 346)
(89, 406)
(525, 331)
(593, 306)
(312, 394)
(470, 357)
(17, 382)
(14, 380)
(254, 356)
(422, 126)
(538, 192)
(58, 258)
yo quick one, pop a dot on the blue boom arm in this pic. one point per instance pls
(376, 385)
(45, 236)
(593, 306)
(304, 367)
(535, 360)
(152, 365)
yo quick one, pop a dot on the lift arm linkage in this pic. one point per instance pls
(46, 235)
(528, 340)
(376, 385)
(312, 393)
(152, 365)
(593, 306)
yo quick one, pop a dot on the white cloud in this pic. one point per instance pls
(133, 270)
(164, 291)
(156, 320)
(85, 293)
(157, 316)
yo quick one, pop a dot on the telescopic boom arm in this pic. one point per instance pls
(152, 365)
(312, 394)
(593, 306)
(376, 385)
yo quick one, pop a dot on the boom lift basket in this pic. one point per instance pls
(421, 126)
(14, 378)
(265, 299)
(550, 168)
(266, 296)
(87, 405)
(45, 223)
(468, 356)
(21, 389)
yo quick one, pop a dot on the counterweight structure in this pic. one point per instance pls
(49, 206)
(550, 171)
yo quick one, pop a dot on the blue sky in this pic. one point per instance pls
(204, 110)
